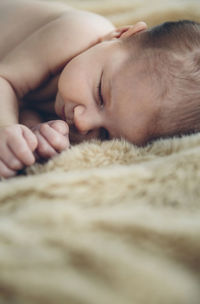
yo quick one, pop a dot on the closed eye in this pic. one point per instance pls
(100, 97)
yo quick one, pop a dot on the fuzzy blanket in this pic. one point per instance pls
(107, 223)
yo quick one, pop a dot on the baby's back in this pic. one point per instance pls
(20, 18)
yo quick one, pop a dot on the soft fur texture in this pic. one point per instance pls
(108, 222)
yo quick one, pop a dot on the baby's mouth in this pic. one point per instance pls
(69, 120)
(63, 114)
(74, 136)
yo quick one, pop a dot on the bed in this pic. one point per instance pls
(107, 222)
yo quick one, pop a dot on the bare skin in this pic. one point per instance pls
(44, 63)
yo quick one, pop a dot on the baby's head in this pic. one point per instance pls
(141, 85)
(171, 56)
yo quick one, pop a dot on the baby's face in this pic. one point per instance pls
(101, 96)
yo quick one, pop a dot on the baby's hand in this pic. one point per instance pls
(17, 143)
(52, 136)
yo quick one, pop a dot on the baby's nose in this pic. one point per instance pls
(86, 120)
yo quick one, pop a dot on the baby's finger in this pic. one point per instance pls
(44, 149)
(21, 150)
(10, 159)
(5, 171)
(60, 126)
(55, 139)
(30, 138)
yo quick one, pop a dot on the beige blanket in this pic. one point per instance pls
(107, 223)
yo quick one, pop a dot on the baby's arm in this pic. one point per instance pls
(17, 142)
(73, 33)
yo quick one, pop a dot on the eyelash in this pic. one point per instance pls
(104, 133)
(99, 93)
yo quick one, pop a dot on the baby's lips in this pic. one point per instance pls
(63, 116)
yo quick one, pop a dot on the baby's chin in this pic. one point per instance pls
(74, 136)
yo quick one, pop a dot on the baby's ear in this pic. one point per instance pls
(125, 31)
(129, 30)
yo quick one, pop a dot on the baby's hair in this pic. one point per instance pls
(172, 54)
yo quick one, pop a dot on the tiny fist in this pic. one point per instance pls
(60, 126)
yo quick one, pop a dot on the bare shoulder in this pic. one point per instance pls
(19, 18)
(72, 33)
(89, 20)
(23, 22)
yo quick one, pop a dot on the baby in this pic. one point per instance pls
(68, 75)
